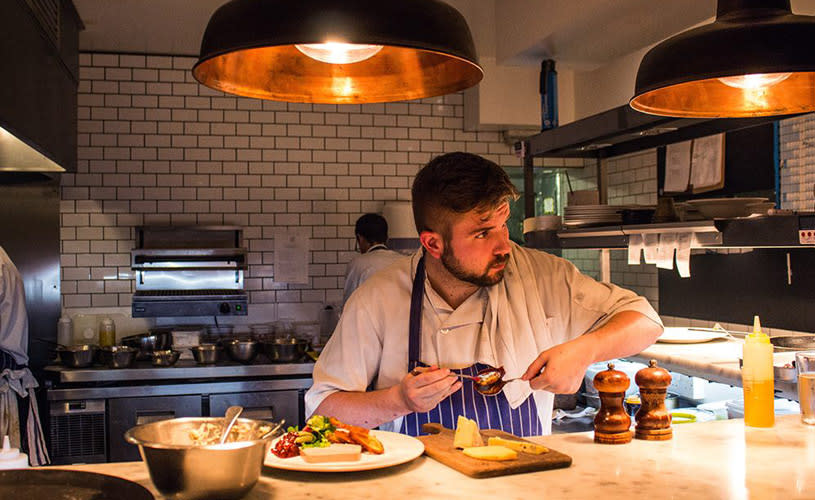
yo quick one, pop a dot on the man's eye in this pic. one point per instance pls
(482, 235)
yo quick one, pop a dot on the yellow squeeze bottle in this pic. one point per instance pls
(757, 378)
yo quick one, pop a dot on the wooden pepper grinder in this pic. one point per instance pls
(653, 419)
(612, 423)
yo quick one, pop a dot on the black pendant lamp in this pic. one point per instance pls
(337, 51)
(756, 59)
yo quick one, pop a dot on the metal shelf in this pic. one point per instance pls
(778, 231)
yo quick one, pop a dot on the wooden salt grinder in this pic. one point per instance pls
(612, 423)
(653, 419)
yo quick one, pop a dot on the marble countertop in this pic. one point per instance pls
(717, 360)
(719, 459)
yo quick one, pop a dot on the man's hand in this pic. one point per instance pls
(423, 388)
(560, 369)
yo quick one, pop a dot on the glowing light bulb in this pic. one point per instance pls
(754, 81)
(338, 52)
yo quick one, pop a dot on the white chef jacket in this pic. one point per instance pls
(365, 265)
(369, 347)
(13, 315)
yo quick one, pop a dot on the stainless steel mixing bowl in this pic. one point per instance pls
(205, 354)
(117, 356)
(285, 350)
(77, 356)
(181, 469)
(243, 351)
(166, 357)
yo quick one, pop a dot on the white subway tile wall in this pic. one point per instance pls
(155, 147)
(632, 180)
(797, 162)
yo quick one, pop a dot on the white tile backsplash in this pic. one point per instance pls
(158, 148)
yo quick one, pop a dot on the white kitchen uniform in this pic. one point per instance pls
(13, 316)
(365, 265)
(542, 301)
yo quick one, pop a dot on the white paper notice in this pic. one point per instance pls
(651, 247)
(665, 252)
(634, 249)
(707, 163)
(683, 241)
(291, 256)
(677, 167)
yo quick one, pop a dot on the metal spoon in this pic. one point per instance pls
(270, 432)
(232, 414)
(490, 381)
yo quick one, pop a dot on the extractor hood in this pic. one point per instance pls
(18, 156)
(623, 130)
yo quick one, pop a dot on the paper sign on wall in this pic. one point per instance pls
(291, 255)
(677, 167)
(707, 163)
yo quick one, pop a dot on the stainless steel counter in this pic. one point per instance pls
(182, 370)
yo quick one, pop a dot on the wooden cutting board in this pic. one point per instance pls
(439, 446)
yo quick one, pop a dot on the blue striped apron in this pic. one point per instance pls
(489, 412)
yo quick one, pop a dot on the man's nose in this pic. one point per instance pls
(502, 243)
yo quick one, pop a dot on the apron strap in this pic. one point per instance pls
(415, 327)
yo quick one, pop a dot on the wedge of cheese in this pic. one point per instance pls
(333, 453)
(522, 446)
(491, 453)
(467, 434)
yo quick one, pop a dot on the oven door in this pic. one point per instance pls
(124, 413)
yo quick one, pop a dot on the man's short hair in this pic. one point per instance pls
(456, 183)
(372, 227)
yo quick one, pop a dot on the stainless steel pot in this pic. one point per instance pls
(793, 343)
(117, 356)
(77, 356)
(289, 350)
(146, 343)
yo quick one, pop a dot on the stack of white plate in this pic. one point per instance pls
(593, 215)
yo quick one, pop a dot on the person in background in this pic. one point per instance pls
(371, 232)
(468, 299)
(13, 316)
(17, 383)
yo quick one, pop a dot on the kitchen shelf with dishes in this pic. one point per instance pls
(772, 231)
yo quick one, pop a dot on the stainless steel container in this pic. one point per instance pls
(77, 356)
(205, 354)
(243, 351)
(117, 356)
(180, 469)
(290, 350)
(166, 357)
(146, 343)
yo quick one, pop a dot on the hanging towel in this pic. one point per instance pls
(516, 324)
(17, 385)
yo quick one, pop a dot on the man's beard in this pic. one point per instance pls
(453, 265)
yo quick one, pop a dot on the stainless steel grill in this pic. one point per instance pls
(189, 271)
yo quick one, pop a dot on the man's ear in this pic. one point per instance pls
(433, 243)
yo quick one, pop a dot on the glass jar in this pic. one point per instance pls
(107, 332)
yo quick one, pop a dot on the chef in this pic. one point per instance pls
(19, 415)
(468, 299)
(371, 233)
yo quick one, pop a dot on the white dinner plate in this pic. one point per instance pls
(399, 448)
(676, 335)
